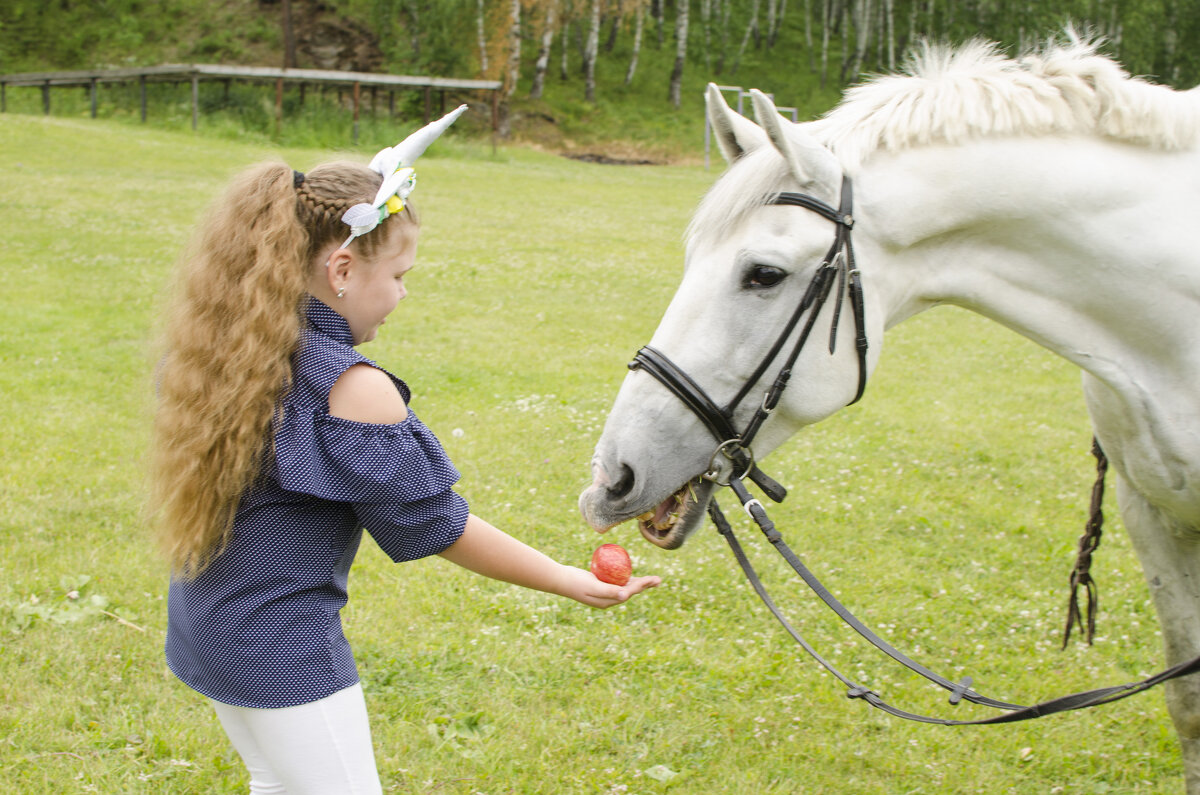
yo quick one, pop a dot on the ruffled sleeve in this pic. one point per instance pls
(398, 477)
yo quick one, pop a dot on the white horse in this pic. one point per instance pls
(1053, 194)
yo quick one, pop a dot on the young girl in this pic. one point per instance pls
(276, 443)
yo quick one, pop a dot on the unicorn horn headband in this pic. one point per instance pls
(395, 165)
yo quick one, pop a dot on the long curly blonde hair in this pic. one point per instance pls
(229, 337)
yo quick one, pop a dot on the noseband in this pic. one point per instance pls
(836, 268)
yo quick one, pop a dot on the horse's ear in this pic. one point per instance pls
(736, 135)
(809, 161)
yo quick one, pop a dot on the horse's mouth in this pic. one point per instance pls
(672, 520)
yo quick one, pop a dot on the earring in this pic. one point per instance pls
(342, 293)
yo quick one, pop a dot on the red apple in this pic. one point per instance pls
(610, 563)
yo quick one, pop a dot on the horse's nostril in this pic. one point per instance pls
(623, 485)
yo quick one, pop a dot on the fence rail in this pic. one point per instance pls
(195, 73)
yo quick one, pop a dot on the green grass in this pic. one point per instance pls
(944, 509)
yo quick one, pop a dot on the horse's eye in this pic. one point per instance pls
(763, 276)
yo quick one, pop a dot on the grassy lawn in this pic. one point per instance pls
(944, 509)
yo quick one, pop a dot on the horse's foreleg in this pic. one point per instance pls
(1170, 556)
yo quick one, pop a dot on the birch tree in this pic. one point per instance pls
(638, 24)
(861, 14)
(615, 26)
(681, 33)
(825, 41)
(808, 39)
(724, 13)
(563, 73)
(889, 12)
(589, 53)
(481, 39)
(751, 30)
(513, 72)
(543, 57)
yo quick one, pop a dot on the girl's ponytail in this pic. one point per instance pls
(229, 339)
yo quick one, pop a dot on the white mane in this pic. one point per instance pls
(953, 95)
(950, 96)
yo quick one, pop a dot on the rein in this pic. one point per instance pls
(738, 465)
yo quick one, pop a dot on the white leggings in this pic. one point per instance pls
(320, 748)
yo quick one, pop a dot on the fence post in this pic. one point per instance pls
(92, 88)
(278, 104)
(3, 98)
(142, 86)
(46, 98)
(195, 101)
(357, 91)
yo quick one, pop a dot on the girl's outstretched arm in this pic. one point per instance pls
(493, 553)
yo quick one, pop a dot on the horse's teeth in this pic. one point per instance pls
(667, 523)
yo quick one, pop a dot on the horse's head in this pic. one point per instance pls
(749, 265)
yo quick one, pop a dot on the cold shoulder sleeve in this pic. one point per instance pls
(398, 478)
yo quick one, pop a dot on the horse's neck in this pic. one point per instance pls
(1088, 248)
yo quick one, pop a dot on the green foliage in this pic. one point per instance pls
(537, 279)
(1156, 38)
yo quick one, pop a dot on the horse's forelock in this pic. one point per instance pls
(750, 182)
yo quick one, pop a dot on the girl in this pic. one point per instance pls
(276, 443)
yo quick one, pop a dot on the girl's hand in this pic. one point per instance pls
(493, 553)
(582, 586)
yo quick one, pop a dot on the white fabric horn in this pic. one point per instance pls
(395, 165)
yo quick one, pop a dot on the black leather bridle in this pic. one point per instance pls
(733, 446)
(836, 268)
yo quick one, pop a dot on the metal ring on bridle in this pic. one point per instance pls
(729, 449)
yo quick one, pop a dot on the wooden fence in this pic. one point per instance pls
(194, 73)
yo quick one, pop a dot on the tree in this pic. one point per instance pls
(513, 72)
(861, 14)
(589, 53)
(639, 23)
(289, 37)
(889, 19)
(681, 32)
(751, 30)
(543, 58)
(481, 40)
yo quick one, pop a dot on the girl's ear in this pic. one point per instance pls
(338, 268)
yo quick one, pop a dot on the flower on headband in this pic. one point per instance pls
(394, 164)
(362, 218)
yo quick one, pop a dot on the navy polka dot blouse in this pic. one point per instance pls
(260, 626)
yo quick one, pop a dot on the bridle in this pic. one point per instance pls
(733, 462)
(838, 268)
